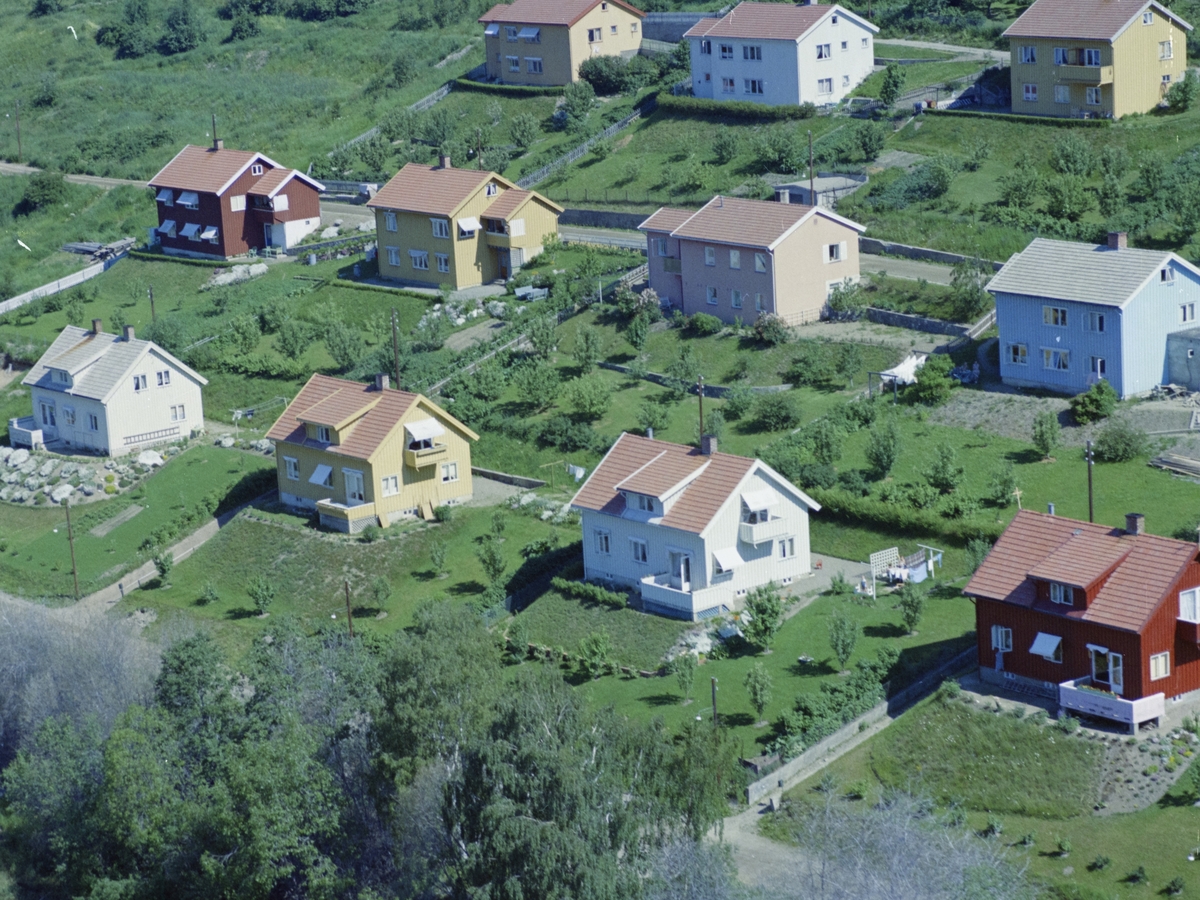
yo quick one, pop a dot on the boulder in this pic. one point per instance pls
(87, 489)
(257, 269)
(149, 458)
(366, 226)
(32, 483)
(226, 442)
(28, 467)
(20, 496)
(12, 477)
(68, 470)
(61, 492)
(18, 458)
(5, 453)
(47, 468)
(330, 232)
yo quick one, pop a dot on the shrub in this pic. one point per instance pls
(443, 513)
(839, 585)
(1137, 876)
(843, 637)
(1182, 94)
(653, 415)
(777, 411)
(1176, 885)
(950, 689)
(1094, 404)
(912, 606)
(725, 145)
(1068, 724)
(262, 593)
(209, 593)
(1026, 120)
(994, 826)
(1100, 863)
(703, 325)
(183, 31)
(735, 109)
(370, 534)
(977, 551)
(739, 400)
(765, 608)
(816, 475)
(1045, 433)
(45, 189)
(1003, 485)
(945, 473)
(590, 397)
(683, 667)
(933, 380)
(771, 330)
(960, 507)
(596, 655)
(164, 563)
(589, 593)
(883, 448)
(1120, 441)
(244, 26)
(852, 480)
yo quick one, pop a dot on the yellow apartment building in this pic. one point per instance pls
(365, 454)
(1095, 58)
(462, 227)
(542, 42)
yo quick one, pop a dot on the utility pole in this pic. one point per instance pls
(700, 397)
(349, 614)
(396, 344)
(714, 696)
(18, 132)
(71, 541)
(1090, 460)
(150, 292)
(812, 191)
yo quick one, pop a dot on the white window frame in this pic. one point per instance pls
(1099, 367)
(660, 246)
(1002, 638)
(1056, 359)
(728, 85)
(845, 46)
(178, 413)
(711, 295)
(389, 485)
(864, 43)
(787, 548)
(706, 48)
(291, 468)
(441, 227)
(1027, 54)
(755, 86)
(443, 262)
(1091, 96)
(845, 81)
(1091, 58)
(510, 33)
(1062, 56)
(726, 51)
(595, 35)
(93, 422)
(237, 203)
(603, 541)
(824, 85)
(514, 63)
(352, 478)
(760, 262)
(835, 252)
(1189, 605)
(1029, 93)
(323, 434)
(735, 298)
(1018, 354)
(1062, 93)
(824, 51)
(140, 383)
(533, 65)
(1148, 17)
(759, 306)
(393, 255)
(256, 169)
(1187, 312)
(1166, 275)
(1055, 316)
(1094, 322)
(163, 377)
(389, 220)
(449, 472)
(710, 256)
(612, 29)
(1062, 594)
(633, 27)
(752, 52)
(419, 260)
(491, 190)
(639, 550)
(645, 502)
(1160, 665)
(1166, 50)
(735, 259)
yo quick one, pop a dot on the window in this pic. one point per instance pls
(1166, 276)
(833, 252)
(735, 299)
(823, 51)
(710, 256)
(354, 485)
(1054, 315)
(393, 256)
(1091, 58)
(93, 422)
(292, 468)
(510, 32)
(1056, 359)
(514, 63)
(645, 502)
(706, 47)
(237, 203)
(420, 259)
(1187, 312)
(1166, 79)
(323, 434)
(1095, 322)
(639, 550)
(1148, 18)
(139, 382)
(443, 261)
(256, 169)
(753, 85)
(464, 233)
(1164, 50)
(533, 66)
(759, 306)
(845, 81)
(660, 246)
(864, 43)
(1099, 367)
(163, 378)
(68, 414)
(595, 35)
(1189, 605)
(787, 548)
(60, 375)
(1018, 354)
(712, 296)
(612, 29)
(449, 472)
(1062, 93)
(727, 51)
(633, 27)
(845, 45)
(834, 19)
(389, 220)
(754, 53)
(1001, 638)
(1027, 54)
(390, 485)
(1160, 663)
(1092, 96)
(760, 262)
(441, 227)
(1062, 593)
(735, 259)
(178, 414)
(603, 542)
(166, 197)
(1061, 55)
(1029, 92)
(824, 85)
(491, 190)
(728, 85)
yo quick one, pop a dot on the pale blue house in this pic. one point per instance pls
(1070, 314)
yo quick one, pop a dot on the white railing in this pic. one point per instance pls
(761, 532)
(657, 590)
(1073, 695)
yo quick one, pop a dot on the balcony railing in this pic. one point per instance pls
(762, 532)
(1085, 74)
(24, 432)
(341, 517)
(658, 593)
(418, 459)
(1074, 695)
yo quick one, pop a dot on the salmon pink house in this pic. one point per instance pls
(1106, 620)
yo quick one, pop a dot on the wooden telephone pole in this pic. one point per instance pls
(71, 541)
(700, 397)
(396, 344)
(18, 132)
(150, 292)
(349, 614)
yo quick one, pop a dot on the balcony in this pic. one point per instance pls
(672, 265)
(1078, 696)
(499, 239)
(1093, 75)
(419, 459)
(1188, 632)
(762, 532)
(660, 597)
(347, 519)
(25, 432)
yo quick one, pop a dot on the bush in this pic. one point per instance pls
(771, 330)
(443, 513)
(945, 473)
(703, 325)
(262, 593)
(183, 30)
(164, 563)
(508, 90)
(765, 608)
(1096, 403)
(1025, 120)
(653, 415)
(1182, 94)
(994, 827)
(816, 475)
(977, 551)
(852, 481)
(596, 655)
(1100, 863)
(616, 75)
(739, 400)
(1068, 724)
(45, 189)
(1176, 885)
(1045, 433)
(777, 411)
(933, 380)
(912, 606)
(1120, 441)
(733, 109)
(209, 593)
(883, 448)
(589, 593)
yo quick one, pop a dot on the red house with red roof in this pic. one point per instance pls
(1107, 620)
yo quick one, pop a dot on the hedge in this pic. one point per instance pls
(899, 518)
(1027, 120)
(732, 109)
(186, 260)
(591, 593)
(509, 90)
(379, 288)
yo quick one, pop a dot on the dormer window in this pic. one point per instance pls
(421, 444)
(492, 189)
(323, 434)
(256, 169)
(642, 502)
(1062, 593)
(61, 377)
(1166, 276)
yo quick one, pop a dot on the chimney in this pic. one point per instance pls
(650, 433)
(95, 326)
(127, 331)
(1118, 240)
(708, 444)
(1135, 523)
(382, 382)
(783, 195)
(444, 161)
(218, 144)
(1050, 508)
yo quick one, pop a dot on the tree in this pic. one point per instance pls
(893, 85)
(871, 137)
(381, 590)
(492, 559)
(262, 593)
(1068, 197)
(1021, 187)
(590, 397)
(945, 473)
(1045, 432)
(682, 372)
(826, 439)
(652, 416)
(404, 69)
(183, 29)
(595, 655)
(45, 189)
(934, 383)
(1120, 441)
(244, 27)
(637, 332)
(883, 447)
(344, 344)
(1182, 94)
(488, 382)
(725, 145)
(578, 100)
(847, 299)
(541, 334)
(843, 636)
(684, 667)
(45, 7)
(758, 686)
(164, 562)
(398, 123)
(374, 153)
(437, 125)
(912, 605)
(1096, 403)
(524, 129)
(968, 287)
(588, 349)
(1072, 155)
(776, 411)
(1111, 195)
(765, 608)
(538, 383)
(1001, 491)
(437, 557)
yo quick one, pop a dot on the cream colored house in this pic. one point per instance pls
(543, 42)
(1099, 58)
(361, 455)
(111, 394)
(462, 227)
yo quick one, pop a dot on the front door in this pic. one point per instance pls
(681, 571)
(354, 487)
(267, 234)
(1108, 669)
(505, 264)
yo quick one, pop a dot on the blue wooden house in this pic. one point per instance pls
(1070, 314)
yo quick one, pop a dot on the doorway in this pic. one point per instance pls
(1108, 669)
(681, 571)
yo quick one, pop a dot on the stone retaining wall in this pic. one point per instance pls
(878, 248)
(601, 218)
(915, 323)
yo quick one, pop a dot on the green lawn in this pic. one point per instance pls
(900, 51)
(37, 561)
(920, 75)
(904, 295)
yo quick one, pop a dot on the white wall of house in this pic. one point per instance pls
(79, 432)
(846, 68)
(289, 234)
(139, 418)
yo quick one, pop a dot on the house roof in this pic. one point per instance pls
(1040, 546)
(509, 202)
(439, 191)
(326, 400)
(549, 12)
(666, 218)
(207, 170)
(1085, 273)
(273, 182)
(1095, 20)
(768, 21)
(732, 220)
(644, 465)
(98, 363)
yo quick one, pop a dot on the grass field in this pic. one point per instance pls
(904, 295)
(920, 75)
(900, 51)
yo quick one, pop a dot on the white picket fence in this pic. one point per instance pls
(549, 169)
(60, 285)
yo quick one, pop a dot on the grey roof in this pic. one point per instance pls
(97, 362)
(1084, 273)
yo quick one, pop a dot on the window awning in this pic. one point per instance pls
(165, 195)
(1097, 648)
(209, 233)
(189, 198)
(529, 34)
(470, 223)
(320, 474)
(424, 429)
(728, 559)
(763, 499)
(1045, 644)
(167, 227)
(189, 229)
(492, 30)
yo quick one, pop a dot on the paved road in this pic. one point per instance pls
(905, 268)
(93, 180)
(634, 240)
(1001, 56)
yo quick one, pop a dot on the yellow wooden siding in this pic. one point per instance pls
(414, 231)
(801, 273)
(1045, 74)
(1137, 70)
(475, 261)
(625, 42)
(554, 50)
(540, 223)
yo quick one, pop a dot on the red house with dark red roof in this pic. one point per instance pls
(1107, 620)
(214, 202)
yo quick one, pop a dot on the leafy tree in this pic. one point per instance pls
(588, 349)
(1045, 433)
(771, 330)
(758, 685)
(437, 556)
(262, 593)
(638, 331)
(590, 397)
(183, 31)
(912, 605)
(596, 655)
(945, 473)
(164, 562)
(893, 85)
(437, 125)
(45, 189)
(968, 287)
(843, 637)
(398, 123)
(1096, 403)
(1120, 441)
(682, 372)
(883, 447)
(538, 384)
(374, 153)
(765, 607)
(978, 149)
(1182, 94)
(209, 593)
(293, 339)
(652, 415)
(933, 380)
(492, 560)
(1068, 198)
(776, 150)
(847, 299)
(1111, 195)
(1003, 485)
(344, 344)
(404, 69)
(1021, 187)
(524, 129)
(871, 138)
(1113, 159)
(541, 334)
(725, 145)
(776, 411)
(46, 7)
(1072, 155)
(739, 400)
(488, 382)
(826, 439)
(684, 667)
(578, 100)
(977, 550)
(244, 27)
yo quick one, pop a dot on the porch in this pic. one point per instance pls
(347, 519)
(660, 595)
(1079, 696)
(25, 432)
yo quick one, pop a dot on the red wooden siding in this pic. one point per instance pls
(303, 201)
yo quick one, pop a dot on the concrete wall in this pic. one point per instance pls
(916, 323)
(877, 247)
(1183, 361)
(601, 218)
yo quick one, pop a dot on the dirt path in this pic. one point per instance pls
(93, 180)
(476, 334)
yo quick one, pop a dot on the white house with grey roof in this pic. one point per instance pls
(1070, 314)
(110, 394)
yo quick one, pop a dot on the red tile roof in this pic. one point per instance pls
(429, 189)
(667, 218)
(1099, 20)
(775, 21)
(205, 169)
(1036, 545)
(549, 12)
(270, 184)
(732, 220)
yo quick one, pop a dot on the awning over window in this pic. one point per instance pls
(167, 227)
(424, 429)
(1045, 644)
(189, 229)
(165, 195)
(728, 559)
(189, 198)
(470, 223)
(1097, 648)
(320, 475)
(763, 499)
(529, 33)
(492, 30)
(209, 233)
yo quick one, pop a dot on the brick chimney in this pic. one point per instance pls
(1118, 240)
(783, 195)
(218, 144)
(444, 161)
(382, 382)
(96, 326)
(708, 444)
(1135, 523)
(127, 332)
